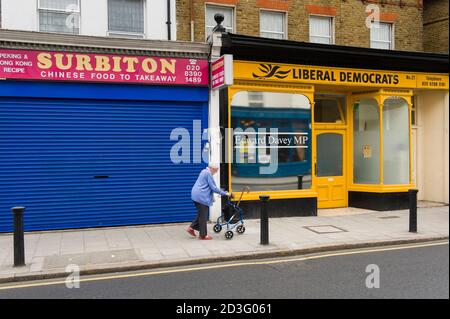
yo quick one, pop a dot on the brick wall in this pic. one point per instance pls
(349, 19)
(435, 26)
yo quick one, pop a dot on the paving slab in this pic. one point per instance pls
(148, 246)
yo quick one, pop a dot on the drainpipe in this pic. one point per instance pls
(191, 15)
(169, 22)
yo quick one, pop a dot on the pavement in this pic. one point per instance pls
(106, 250)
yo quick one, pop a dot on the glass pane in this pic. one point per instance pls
(414, 111)
(320, 29)
(382, 32)
(366, 142)
(59, 4)
(395, 141)
(272, 35)
(271, 141)
(327, 111)
(380, 45)
(322, 40)
(126, 15)
(329, 154)
(228, 17)
(380, 36)
(271, 22)
(50, 21)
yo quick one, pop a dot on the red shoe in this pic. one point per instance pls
(207, 237)
(191, 232)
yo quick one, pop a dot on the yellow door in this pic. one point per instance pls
(330, 168)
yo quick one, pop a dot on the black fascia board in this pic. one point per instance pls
(251, 48)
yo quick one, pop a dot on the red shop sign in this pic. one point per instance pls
(64, 66)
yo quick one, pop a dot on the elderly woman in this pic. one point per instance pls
(202, 195)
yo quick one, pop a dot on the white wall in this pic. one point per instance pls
(157, 17)
(23, 15)
(19, 15)
(432, 152)
(94, 17)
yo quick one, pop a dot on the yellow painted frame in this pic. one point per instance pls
(273, 86)
(379, 96)
(343, 131)
(324, 127)
(244, 81)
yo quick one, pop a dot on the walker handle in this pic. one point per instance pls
(246, 188)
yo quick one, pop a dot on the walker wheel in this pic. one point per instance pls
(217, 228)
(229, 234)
(240, 229)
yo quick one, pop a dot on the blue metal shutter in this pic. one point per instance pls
(88, 163)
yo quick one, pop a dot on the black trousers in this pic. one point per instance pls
(199, 223)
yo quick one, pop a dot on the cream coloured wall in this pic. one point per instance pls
(432, 146)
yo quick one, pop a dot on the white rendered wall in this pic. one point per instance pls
(19, 15)
(156, 17)
(94, 18)
(215, 142)
(23, 15)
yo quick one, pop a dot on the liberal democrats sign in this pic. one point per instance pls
(337, 76)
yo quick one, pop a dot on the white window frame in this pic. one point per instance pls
(124, 34)
(233, 8)
(392, 36)
(285, 24)
(255, 100)
(332, 28)
(39, 9)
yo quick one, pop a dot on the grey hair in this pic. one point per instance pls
(213, 165)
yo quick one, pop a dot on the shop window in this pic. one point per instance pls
(328, 111)
(381, 36)
(414, 111)
(395, 141)
(272, 25)
(255, 99)
(126, 18)
(271, 141)
(60, 16)
(210, 23)
(366, 142)
(321, 29)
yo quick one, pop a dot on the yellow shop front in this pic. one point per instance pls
(313, 136)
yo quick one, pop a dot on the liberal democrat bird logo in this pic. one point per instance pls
(271, 71)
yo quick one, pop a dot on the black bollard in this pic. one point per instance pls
(264, 220)
(412, 210)
(19, 242)
(300, 181)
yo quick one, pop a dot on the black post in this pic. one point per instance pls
(264, 220)
(19, 242)
(412, 210)
(300, 181)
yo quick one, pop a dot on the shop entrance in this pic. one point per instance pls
(330, 159)
(330, 156)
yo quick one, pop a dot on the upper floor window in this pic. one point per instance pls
(272, 25)
(321, 29)
(62, 16)
(126, 18)
(210, 23)
(381, 36)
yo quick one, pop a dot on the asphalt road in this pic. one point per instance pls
(420, 272)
